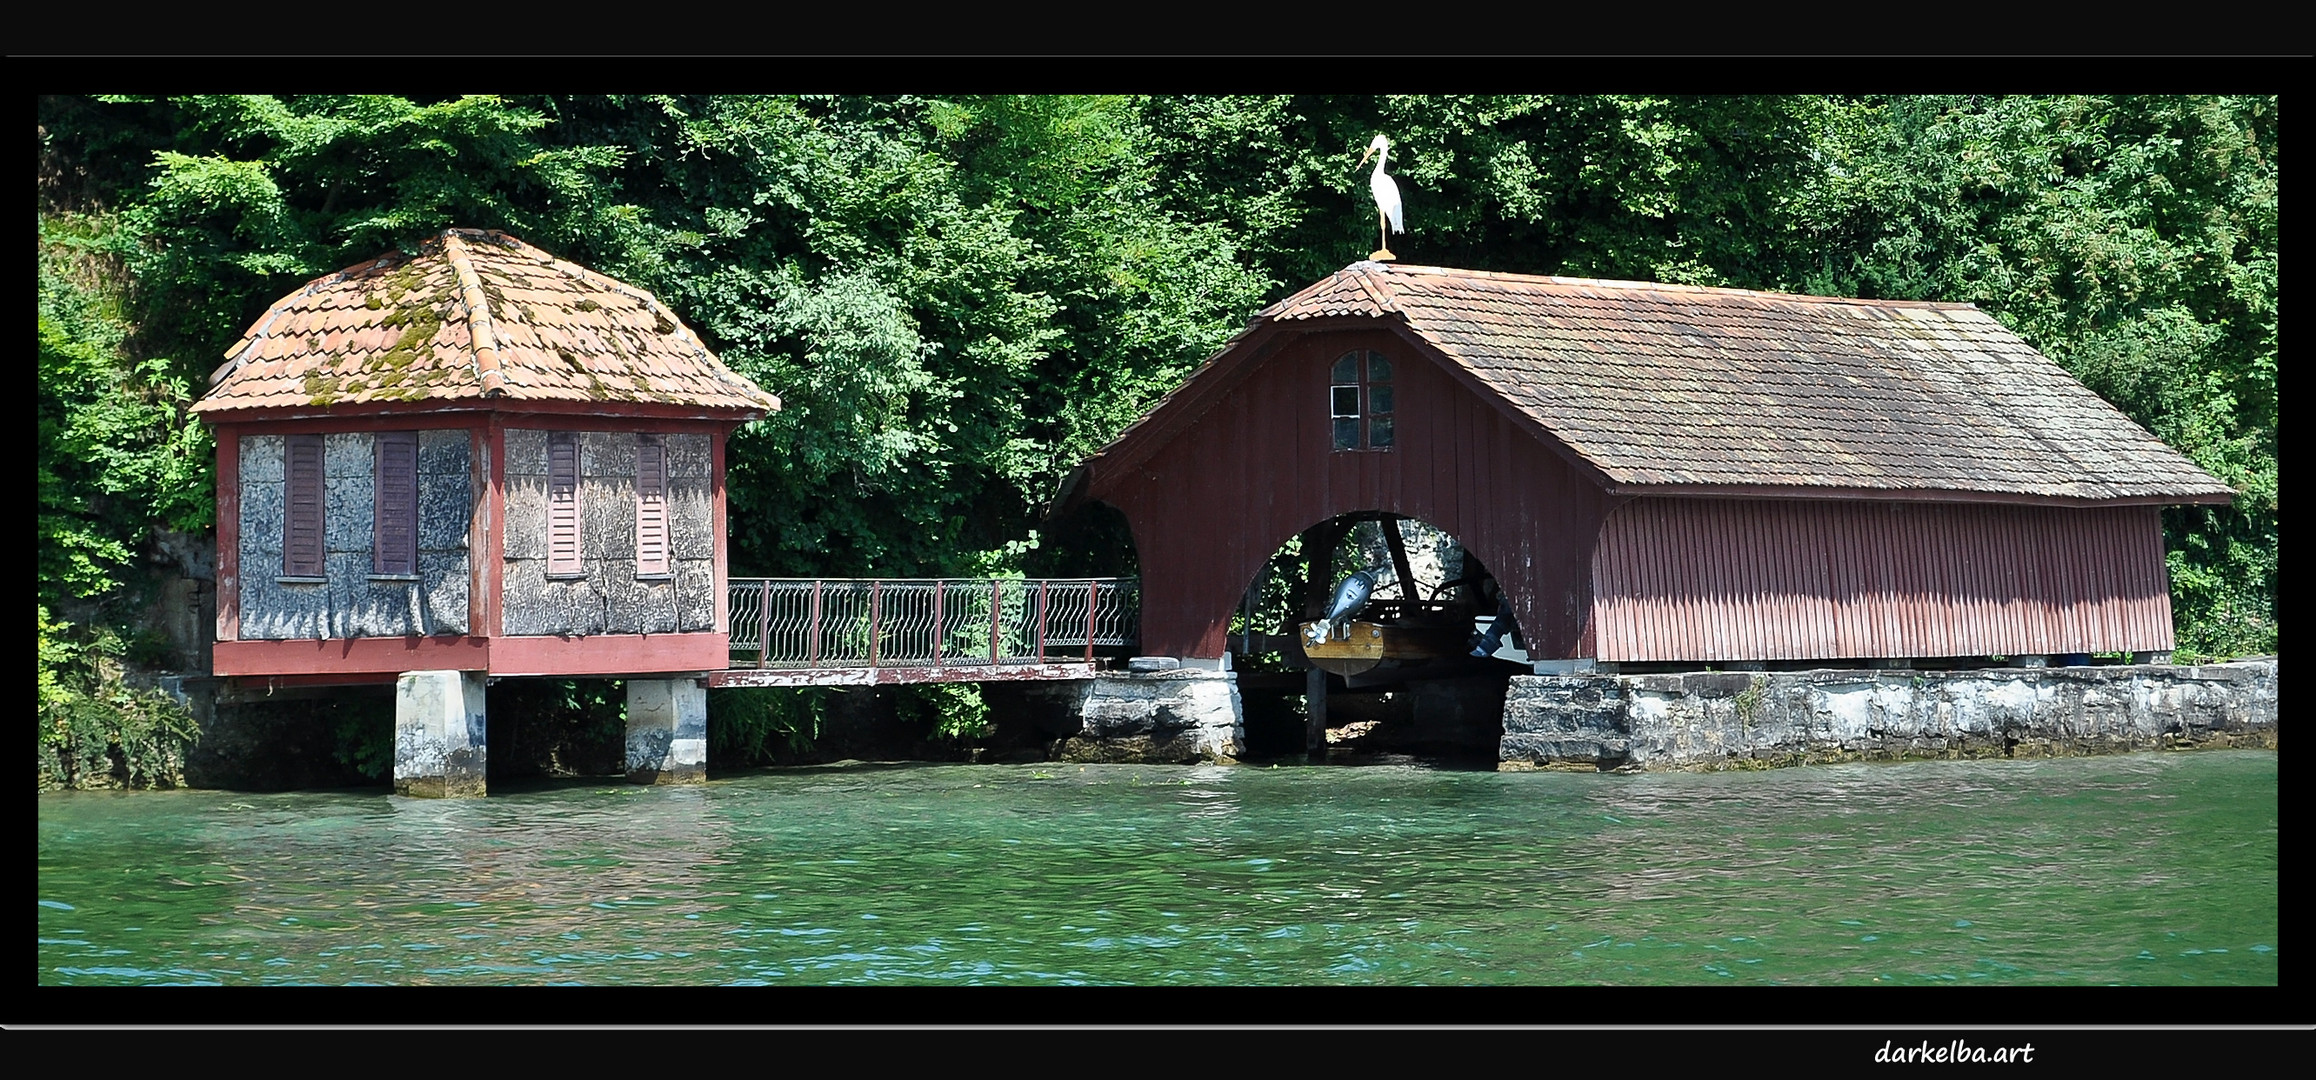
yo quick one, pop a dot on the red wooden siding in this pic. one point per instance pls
(394, 504)
(1259, 466)
(651, 536)
(301, 549)
(1724, 579)
(563, 503)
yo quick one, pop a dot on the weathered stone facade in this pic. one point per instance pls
(611, 598)
(354, 602)
(1742, 720)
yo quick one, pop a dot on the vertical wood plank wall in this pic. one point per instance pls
(1727, 579)
(1260, 466)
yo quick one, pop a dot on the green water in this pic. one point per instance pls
(2143, 869)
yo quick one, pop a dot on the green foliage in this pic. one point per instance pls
(1748, 701)
(587, 709)
(750, 725)
(952, 710)
(362, 738)
(96, 731)
(115, 453)
(1662, 188)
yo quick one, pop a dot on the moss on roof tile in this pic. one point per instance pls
(414, 295)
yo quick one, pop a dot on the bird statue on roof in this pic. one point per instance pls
(1386, 199)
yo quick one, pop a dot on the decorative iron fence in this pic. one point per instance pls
(920, 622)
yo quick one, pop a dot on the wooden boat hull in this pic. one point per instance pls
(1358, 646)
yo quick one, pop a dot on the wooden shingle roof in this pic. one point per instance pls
(1665, 387)
(473, 315)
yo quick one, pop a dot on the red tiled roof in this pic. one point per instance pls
(1680, 385)
(473, 315)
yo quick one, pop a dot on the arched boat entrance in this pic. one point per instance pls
(1371, 635)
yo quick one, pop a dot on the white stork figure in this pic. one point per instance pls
(1386, 199)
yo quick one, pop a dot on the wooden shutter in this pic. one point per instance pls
(394, 544)
(301, 548)
(563, 503)
(651, 539)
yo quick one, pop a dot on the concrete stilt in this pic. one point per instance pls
(667, 731)
(439, 748)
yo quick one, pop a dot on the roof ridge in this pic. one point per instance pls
(1373, 282)
(480, 332)
(1665, 286)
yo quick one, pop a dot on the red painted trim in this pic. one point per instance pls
(352, 656)
(255, 687)
(331, 425)
(439, 421)
(228, 532)
(360, 659)
(614, 421)
(894, 675)
(610, 654)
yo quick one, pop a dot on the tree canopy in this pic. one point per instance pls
(959, 298)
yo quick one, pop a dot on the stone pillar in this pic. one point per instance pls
(439, 749)
(667, 731)
(1181, 716)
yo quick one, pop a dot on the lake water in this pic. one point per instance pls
(2139, 869)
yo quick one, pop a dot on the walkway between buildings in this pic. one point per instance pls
(867, 631)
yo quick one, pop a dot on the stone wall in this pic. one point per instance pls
(351, 603)
(1169, 717)
(611, 598)
(1740, 720)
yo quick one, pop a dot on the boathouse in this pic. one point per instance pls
(470, 460)
(1664, 473)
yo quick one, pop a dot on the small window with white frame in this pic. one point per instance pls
(1359, 401)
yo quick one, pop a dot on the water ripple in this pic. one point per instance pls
(2146, 869)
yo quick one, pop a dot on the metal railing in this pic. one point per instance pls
(921, 622)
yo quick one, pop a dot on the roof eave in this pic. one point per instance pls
(664, 410)
(1942, 495)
